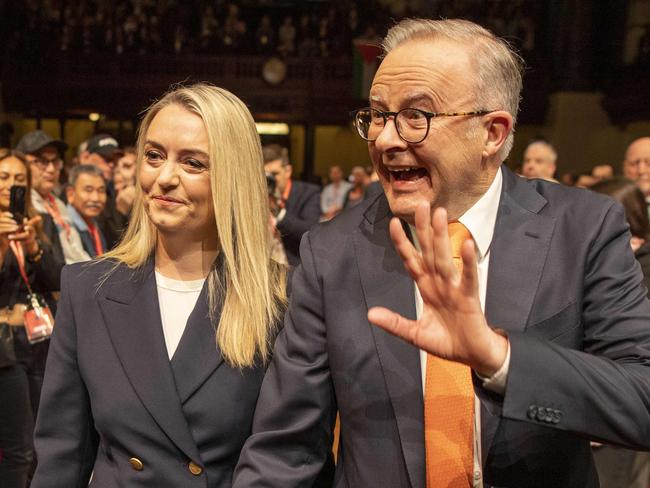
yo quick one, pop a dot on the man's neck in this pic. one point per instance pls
(89, 222)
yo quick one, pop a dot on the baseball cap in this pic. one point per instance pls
(104, 145)
(34, 141)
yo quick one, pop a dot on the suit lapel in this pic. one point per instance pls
(517, 255)
(386, 283)
(130, 308)
(197, 355)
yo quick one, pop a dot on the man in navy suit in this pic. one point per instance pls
(298, 203)
(539, 344)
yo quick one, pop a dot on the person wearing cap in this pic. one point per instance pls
(45, 157)
(102, 151)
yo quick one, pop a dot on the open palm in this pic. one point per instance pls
(452, 324)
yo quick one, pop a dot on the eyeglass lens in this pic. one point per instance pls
(411, 124)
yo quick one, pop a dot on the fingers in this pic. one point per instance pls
(442, 246)
(470, 269)
(33, 221)
(410, 257)
(394, 323)
(425, 235)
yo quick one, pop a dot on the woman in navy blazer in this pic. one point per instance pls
(134, 395)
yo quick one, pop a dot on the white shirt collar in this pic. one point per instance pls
(481, 217)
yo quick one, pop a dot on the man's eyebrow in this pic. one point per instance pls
(416, 98)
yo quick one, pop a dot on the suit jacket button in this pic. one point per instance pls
(556, 418)
(541, 414)
(136, 464)
(194, 468)
(532, 412)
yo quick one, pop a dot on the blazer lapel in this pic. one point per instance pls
(197, 355)
(386, 283)
(517, 255)
(130, 308)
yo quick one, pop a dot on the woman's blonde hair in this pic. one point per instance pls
(249, 286)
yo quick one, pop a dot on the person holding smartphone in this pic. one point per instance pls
(28, 268)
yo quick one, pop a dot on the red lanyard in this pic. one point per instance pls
(53, 209)
(20, 257)
(97, 240)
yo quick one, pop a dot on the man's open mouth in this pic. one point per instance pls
(408, 173)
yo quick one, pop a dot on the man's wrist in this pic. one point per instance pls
(496, 357)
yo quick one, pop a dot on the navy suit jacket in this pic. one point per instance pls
(563, 283)
(111, 393)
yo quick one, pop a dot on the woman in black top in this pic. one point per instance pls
(21, 363)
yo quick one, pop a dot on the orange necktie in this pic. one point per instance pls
(449, 408)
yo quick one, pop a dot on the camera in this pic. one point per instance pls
(271, 184)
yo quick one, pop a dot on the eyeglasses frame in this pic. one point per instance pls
(427, 115)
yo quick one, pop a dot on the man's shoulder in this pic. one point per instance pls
(305, 187)
(560, 199)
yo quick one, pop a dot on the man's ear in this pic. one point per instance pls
(498, 128)
(69, 193)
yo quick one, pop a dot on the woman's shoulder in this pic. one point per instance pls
(91, 273)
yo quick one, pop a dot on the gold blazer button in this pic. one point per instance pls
(136, 464)
(194, 468)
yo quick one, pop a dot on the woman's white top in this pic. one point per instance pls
(177, 299)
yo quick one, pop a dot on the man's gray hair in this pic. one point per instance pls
(499, 67)
(545, 144)
(83, 169)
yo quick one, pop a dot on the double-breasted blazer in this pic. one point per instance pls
(563, 283)
(114, 405)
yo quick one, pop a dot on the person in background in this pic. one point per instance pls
(125, 172)
(333, 195)
(298, 207)
(160, 345)
(44, 155)
(636, 165)
(619, 467)
(540, 160)
(103, 151)
(602, 172)
(23, 245)
(86, 194)
(355, 195)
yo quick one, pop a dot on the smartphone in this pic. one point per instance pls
(17, 203)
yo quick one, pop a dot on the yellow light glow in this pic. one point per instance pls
(272, 128)
(93, 116)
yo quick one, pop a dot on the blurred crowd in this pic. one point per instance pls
(304, 29)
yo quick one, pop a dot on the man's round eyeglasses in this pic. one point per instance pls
(43, 163)
(412, 124)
